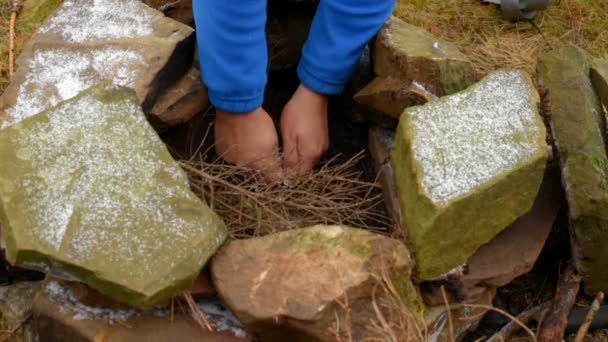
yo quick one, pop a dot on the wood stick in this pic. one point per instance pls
(553, 327)
(595, 306)
(533, 314)
(448, 311)
(11, 38)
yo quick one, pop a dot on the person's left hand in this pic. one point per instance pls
(304, 130)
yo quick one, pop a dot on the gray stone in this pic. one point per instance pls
(89, 192)
(407, 52)
(88, 41)
(380, 144)
(578, 127)
(294, 280)
(467, 166)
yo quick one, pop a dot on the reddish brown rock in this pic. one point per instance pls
(391, 96)
(59, 316)
(180, 102)
(289, 285)
(514, 251)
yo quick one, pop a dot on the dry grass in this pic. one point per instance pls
(491, 42)
(336, 194)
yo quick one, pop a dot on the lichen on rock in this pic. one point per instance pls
(467, 165)
(89, 192)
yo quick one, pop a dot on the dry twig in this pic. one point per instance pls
(11, 50)
(504, 313)
(554, 325)
(595, 306)
(197, 314)
(250, 207)
(509, 330)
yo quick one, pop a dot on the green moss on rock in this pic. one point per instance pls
(578, 127)
(467, 166)
(88, 191)
(408, 52)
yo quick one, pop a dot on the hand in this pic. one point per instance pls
(304, 130)
(248, 139)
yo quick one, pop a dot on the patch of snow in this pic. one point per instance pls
(467, 139)
(59, 74)
(223, 319)
(82, 21)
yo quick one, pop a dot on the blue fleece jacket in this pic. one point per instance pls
(234, 57)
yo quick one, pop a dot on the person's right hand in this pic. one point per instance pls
(248, 139)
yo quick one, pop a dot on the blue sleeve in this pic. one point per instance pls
(232, 51)
(338, 35)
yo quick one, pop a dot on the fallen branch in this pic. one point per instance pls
(595, 306)
(553, 327)
(11, 38)
(508, 331)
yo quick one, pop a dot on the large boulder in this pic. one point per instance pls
(577, 124)
(88, 191)
(59, 316)
(289, 286)
(87, 41)
(599, 77)
(409, 53)
(468, 165)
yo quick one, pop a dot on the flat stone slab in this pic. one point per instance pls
(599, 77)
(577, 124)
(468, 165)
(408, 52)
(59, 316)
(88, 41)
(515, 250)
(293, 281)
(89, 192)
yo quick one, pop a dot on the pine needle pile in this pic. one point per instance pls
(335, 194)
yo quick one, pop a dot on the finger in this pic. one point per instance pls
(290, 152)
(269, 166)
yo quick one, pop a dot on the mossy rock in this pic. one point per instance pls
(408, 52)
(599, 77)
(89, 192)
(468, 165)
(578, 127)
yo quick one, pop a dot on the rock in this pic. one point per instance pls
(16, 302)
(577, 125)
(515, 250)
(87, 41)
(599, 77)
(391, 96)
(180, 102)
(89, 192)
(406, 52)
(59, 316)
(465, 319)
(467, 166)
(380, 144)
(294, 280)
(178, 10)
(202, 288)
